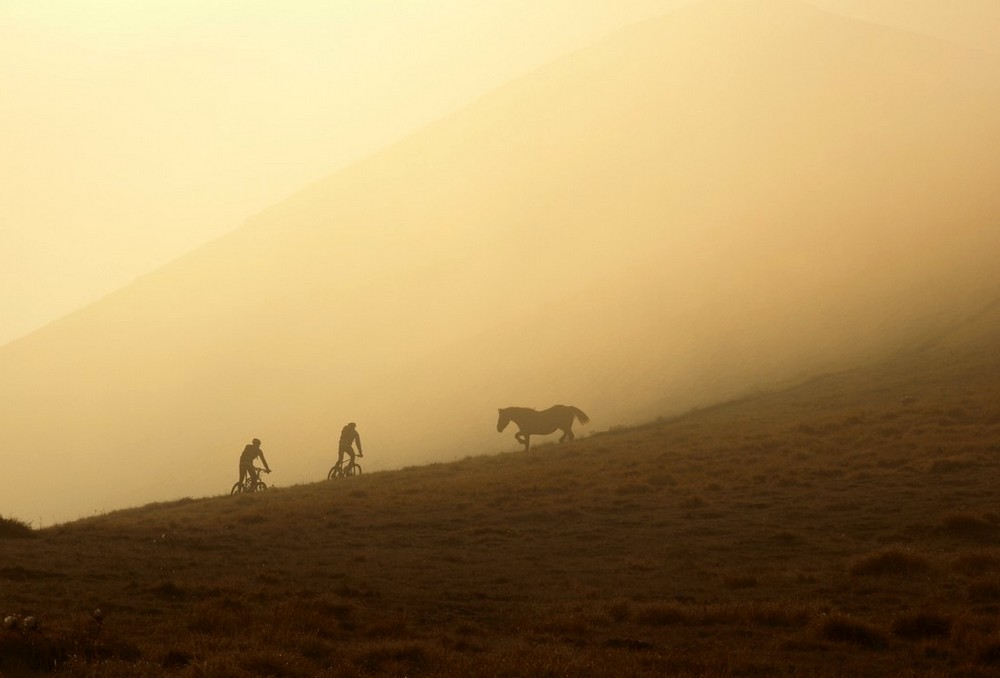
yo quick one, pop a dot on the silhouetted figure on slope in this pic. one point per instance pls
(250, 453)
(348, 438)
(529, 421)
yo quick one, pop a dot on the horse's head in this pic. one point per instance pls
(503, 420)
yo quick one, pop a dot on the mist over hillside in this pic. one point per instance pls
(975, 24)
(723, 200)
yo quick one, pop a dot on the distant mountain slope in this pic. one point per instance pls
(974, 23)
(730, 197)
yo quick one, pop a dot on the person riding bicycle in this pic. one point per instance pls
(250, 453)
(348, 437)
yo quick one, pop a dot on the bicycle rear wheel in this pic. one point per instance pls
(335, 472)
(237, 488)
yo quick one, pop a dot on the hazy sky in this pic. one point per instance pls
(132, 131)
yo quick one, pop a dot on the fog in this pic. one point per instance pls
(133, 132)
(717, 202)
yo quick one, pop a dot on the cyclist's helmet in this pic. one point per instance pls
(256, 442)
(352, 425)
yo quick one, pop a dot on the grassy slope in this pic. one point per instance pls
(847, 526)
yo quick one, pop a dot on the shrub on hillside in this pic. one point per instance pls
(12, 528)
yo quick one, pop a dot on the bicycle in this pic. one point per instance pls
(340, 470)
(252, 483)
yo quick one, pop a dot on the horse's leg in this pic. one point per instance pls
(567, 435)
(524, 439)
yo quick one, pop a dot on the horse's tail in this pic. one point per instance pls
(580, 414)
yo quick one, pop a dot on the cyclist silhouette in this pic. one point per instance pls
(251, 452)
(348, 437)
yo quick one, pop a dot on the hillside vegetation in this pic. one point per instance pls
(845, 527)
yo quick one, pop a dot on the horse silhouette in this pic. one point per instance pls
(530, 422)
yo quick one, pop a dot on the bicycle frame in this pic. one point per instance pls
(344, 470)
(251, 483)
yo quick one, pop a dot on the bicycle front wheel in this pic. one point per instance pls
(353, 470)
(237, 488)
(260, 486)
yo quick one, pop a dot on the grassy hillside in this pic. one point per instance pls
(846, 527)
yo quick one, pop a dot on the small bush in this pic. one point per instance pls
(889, 562)
(12, 528)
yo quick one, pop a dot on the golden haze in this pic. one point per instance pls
(723, 200)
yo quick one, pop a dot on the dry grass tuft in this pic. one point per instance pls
(990, 654)
(984, 591)
(920, 625)
(739, 581)
(783, 614)
(970, 526)
(977, 563)
(663, 614)
(842, 629)
(12, 528)
(889, 562)
(276, 665)
(30, 652)
(50, 649)
(394, 659)
(176, 659)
